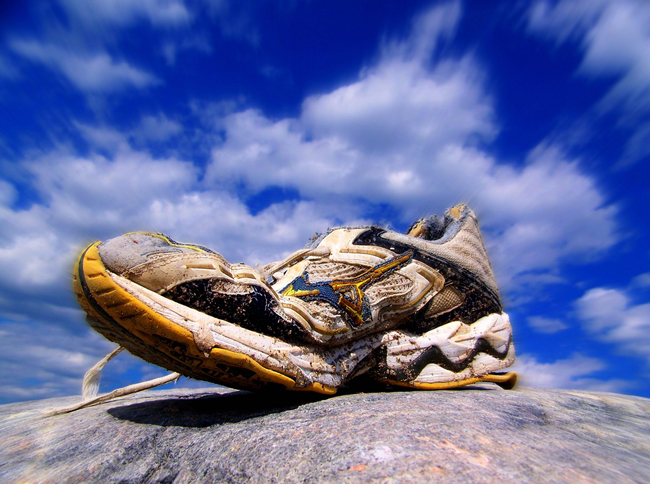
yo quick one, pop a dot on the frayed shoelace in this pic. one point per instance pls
(90, 386)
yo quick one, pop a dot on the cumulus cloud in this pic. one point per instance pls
(610, 315)
(403, 100)
(77, 41)
(8, 193)
(83, 199)
(564, 20)
(94, 198)
(408, 133)
(570, 373)
(615, 38)
(546, 325)
(97, 72)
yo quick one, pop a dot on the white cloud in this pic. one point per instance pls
(103, 137)
(156, 128)
(642, 280)
(535, 215)
(58, 358)
(570, 373)
(564, 20)
(97, 13)
(171, 48)
(610, 315)
(546, 211)
(8, 193)
(637, 146)
(615, 37)
(78, 47)
(94, 198)
(407, 133)
(84, 199)
(89, 72)
(403, 101)
(546, 325)
(48, 354)
(392, 107)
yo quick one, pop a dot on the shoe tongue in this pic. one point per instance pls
(417, 229)
(435, 226)
(456, 211)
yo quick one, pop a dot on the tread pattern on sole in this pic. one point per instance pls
(121, 317)
(453, 352)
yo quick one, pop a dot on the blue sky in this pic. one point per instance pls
(250, 126)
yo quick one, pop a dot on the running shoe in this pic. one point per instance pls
(419, 310)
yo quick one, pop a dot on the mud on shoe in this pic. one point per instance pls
(420, 309)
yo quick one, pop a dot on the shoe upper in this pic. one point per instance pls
(347, 283)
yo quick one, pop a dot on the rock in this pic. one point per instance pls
(476, 434)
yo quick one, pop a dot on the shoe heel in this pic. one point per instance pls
(452, 355)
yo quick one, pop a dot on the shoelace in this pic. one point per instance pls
(90, 386)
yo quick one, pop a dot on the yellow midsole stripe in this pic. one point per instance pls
(138, 318)
(507, 379)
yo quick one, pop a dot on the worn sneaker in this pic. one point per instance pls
(420, 309)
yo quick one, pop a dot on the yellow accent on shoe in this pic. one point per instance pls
(506, 381)
(78, 290)
(160, 333)
(243, 361)
(290, 291)
(418, 230)
(457, 211)
(352, 305)
(317, 388)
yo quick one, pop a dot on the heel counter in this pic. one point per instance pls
(467, 249)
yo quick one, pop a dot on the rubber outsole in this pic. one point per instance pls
(123, 319)
(506, 380)
(127, 321)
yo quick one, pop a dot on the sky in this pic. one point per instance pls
(250, 126)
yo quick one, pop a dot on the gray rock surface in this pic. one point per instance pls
(477, 434)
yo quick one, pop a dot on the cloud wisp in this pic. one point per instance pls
(615, 39)
(122, 13)
(569, 373)
(409, 133)
(610, 316)
(88, 72)
(546, 325)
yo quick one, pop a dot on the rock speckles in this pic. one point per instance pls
(484, 435)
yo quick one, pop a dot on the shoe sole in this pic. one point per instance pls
(199, 346)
